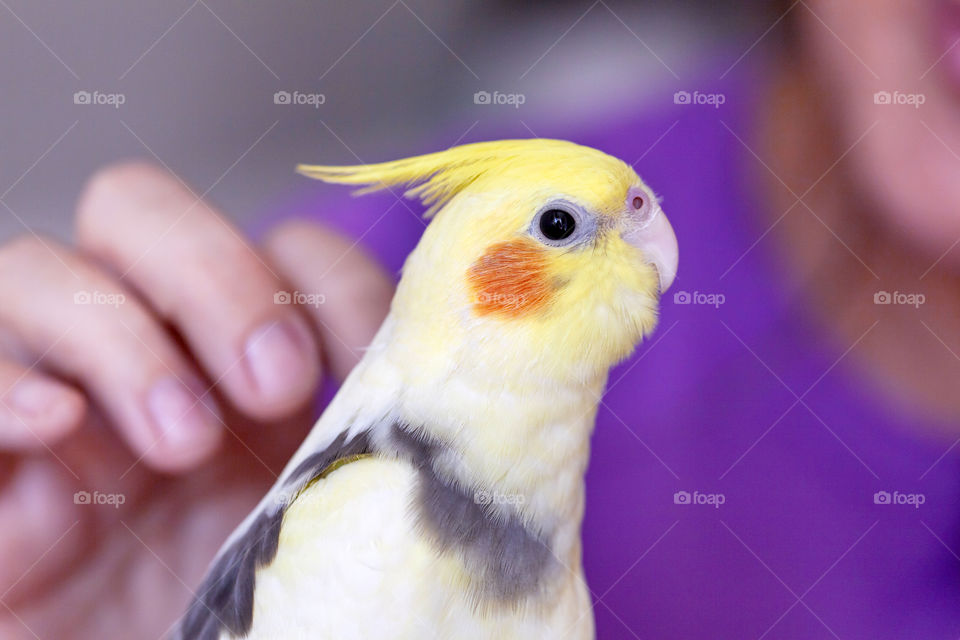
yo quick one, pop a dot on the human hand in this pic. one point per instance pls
(151, 389)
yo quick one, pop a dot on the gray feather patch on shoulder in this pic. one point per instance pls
(224, 600)
(508, 561)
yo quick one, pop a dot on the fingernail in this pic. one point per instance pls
(280, 357)
(181, 416)
(34, 397)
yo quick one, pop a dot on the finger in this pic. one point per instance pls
(86, 327)
(345, 291)
(42, 533)
(36, 410)
(200, 275)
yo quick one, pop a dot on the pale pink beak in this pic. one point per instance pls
(648, 229)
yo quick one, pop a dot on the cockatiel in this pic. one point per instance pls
(441, 493)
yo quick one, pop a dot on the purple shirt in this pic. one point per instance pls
(800, 546)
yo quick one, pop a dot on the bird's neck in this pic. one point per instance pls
(518, 434)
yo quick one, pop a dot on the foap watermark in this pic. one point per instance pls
(99, 298)
(896, 497)
(99, 98)
(511, 99)
(511, 300)
(898, 297)
(696, 497)
(484, 498)
(899, 97)
(299, 297)
(96, 498)
(699, 298)
(712, 99)
(299, 98)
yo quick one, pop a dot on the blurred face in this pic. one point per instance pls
(894, 65)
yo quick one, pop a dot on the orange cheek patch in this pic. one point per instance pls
(510, 279)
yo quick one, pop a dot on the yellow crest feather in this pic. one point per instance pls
(437, 177)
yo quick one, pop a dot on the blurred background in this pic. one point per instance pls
(196, 82)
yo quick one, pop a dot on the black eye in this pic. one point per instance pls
(557, 224)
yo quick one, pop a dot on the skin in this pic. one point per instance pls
(891, 199)
(77, 382)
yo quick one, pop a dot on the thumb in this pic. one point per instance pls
(343, 289)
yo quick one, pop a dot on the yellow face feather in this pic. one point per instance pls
(486, 276)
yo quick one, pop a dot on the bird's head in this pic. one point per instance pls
(539, 251)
